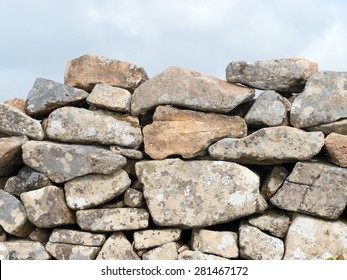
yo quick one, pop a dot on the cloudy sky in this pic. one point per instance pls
(38, 37)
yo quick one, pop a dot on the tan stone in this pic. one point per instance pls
(62, 251)
(17, 103)
(336, 146)
(125, 152)
(273, 181)
(23, 249)
(133, 198)
(168, 251)
(196, 255)
(76, 237)
(4, 252)
(146, 239)
(40, 234)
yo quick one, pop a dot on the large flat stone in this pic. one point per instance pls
(188, 89)
(339, 127)
(146, 239)
(23, 249)
(62, 251)
(336, 146)
(267, 146)
(76, 237)
(198, 193)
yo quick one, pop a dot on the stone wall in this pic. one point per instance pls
(113, 165)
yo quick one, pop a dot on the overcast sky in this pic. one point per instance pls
(38, 37)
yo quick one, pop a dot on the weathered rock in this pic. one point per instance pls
(220, 243)
(168, 251)
(111, 98)
(269, 109)
(198, 193)
(339, 127)
(117, 247)
(10, 154)
(17, 103)
(62, 251)
(62, 162)
(78, 125)
(86, 71)
(133, 198)
(46, 207)
(40, 234)
(146, 239)
(273, 181)
(315, 188)
(188, 133)
(283, 75)
(273, 145)
(13, 122)
(128, 153)
(274, 221)
(196, 255)
(4, 252)
(23, 249)
(47, 95)
(112, 219)
(95, 189)
(311, 238)
(76, 237)
(26, 180)
(308, 108)
(256, 245)
(184, 88)
(336, 146)
(13, 217)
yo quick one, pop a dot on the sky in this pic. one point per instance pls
(39, 37)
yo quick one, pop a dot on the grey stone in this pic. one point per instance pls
(3, 236)
(128, 153)
(283, 75)
(40, 234)
(196, 255)
(4, 252)
(23, 249)
(133, 198)
(76, 237)
(62, 251)
(267, 146)
(47, 95)
(188, 89)
(63, 162)
(194, 194)
(309, 110)
(339, 127)
(78, 125)
(168, 251)
(273, 181)
(146, 239)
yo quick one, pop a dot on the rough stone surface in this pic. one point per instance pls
(117, 247)
(76, 237)
(128, 153)
(133, 198)
(269, 109)
(273, 145)
(78, 125)
(196, 255)
(273, 181)
(308, 108)
(46, 207)
(62, 162)
(168, 251)
(146, 239)
(14, 122)
(315, 188)
(311, 238)
(26, 250)
(184, 88)
(86, 71)
(336, 146)
(339, 127)
(10, 154)
(17, 103)
(40, 234)
(13, 217)
(188, 133)
(274, 221)
(198, 193)
(95, 189)
(112, 219)
(256, 245)
(4, 252)
(26, 180)
(220, 243)
(47, 95)
(283, 75)
(110, 98)
(62, 251)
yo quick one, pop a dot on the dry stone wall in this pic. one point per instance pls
(114, 165)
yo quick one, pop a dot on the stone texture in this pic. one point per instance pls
(256, 245)
(4, 252)
(76, 237)
(78, 125)
(184, 88)
(23, 249)
(3, 236)
(336, 146)
(26, 180)
(13, 217)
(311, 238)
(282, 75)
(274, 221)
(13, 122)
(112, 219)
(47, 95)
(168, 251)
(146, 239)
(125, 152)
(95, 189)
(110, 98)
(117, 247)
(308, 108)
(188, 133)
(198, 193)
(339, 127)
(40, 234)
(315, 188)
(220, 243)
(196, 255)
(46, 207)
(133, 198)
(267, 146)
(10, 154)
(3, 181)
(86, 71)
(62, 162)
(17, 103)
(273, 181)
(269, 109)
(62, 251)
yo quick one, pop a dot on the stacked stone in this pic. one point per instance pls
(113, 165)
